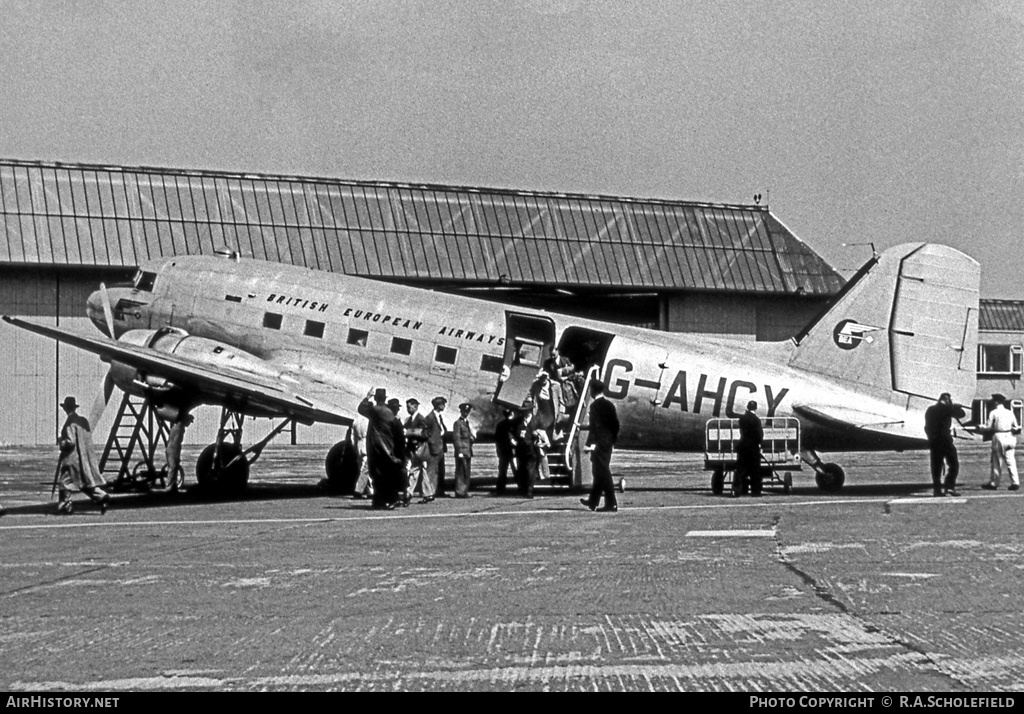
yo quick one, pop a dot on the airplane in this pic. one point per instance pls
(273, 340)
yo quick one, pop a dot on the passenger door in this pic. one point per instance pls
(528, 343)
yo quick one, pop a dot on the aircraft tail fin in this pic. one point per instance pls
(907, 322)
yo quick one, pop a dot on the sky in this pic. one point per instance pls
(870, 121)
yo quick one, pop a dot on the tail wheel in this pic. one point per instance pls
(225, 475)
(342, 467)
(830, 477)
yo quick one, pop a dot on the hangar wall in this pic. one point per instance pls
(750, 317)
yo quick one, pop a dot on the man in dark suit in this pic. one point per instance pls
(938, 423)
(748, 452)
(385, 448)
(604, 430)
(504, 442)
(434, 431)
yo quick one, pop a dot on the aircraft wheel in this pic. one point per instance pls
(141, 476)
(220, 476)
(830, 477)
(342, 467)
(622, 485)
(718, 481)
(787, 483)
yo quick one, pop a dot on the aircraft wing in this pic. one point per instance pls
(244, 391)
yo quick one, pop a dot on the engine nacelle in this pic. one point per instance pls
(167, 397)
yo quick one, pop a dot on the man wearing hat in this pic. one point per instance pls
(385, 448)
(938, 423)
(1003, 428)
(604, 431)
(435, 430)
(415, 447)
(395, 405)
(463, 437)
(77, 465)
(504, 443)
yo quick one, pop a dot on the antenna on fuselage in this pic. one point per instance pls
(222, 251)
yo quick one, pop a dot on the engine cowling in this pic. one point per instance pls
(166, 396)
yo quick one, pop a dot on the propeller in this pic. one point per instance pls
(107, 312)
(99, 404)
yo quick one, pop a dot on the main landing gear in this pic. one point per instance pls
(829, 476)
(222, 469)
(342, 467)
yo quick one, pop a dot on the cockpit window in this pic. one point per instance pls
(144, 281)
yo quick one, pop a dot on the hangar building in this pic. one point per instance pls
(673, 265)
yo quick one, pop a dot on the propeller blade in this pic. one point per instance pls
(99, 404)
(107, 312)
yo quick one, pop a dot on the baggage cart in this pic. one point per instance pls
(780, 451)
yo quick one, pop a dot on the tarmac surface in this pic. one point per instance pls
(878, 588)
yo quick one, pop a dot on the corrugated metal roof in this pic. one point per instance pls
(74, 214)
(1001, 315)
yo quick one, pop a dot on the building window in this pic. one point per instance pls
(1000, 359)
(490, 363)
(401, 346)
(981, 408)
(314, 329)
(358, 337)
(272, 320)
(445, 355)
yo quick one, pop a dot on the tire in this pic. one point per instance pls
(622, 485)
(342, 468)
(830, 478)
(787, 483)
(718, 481)
(222, 478)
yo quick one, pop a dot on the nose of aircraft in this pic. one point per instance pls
(94, 309)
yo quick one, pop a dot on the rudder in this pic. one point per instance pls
(907, 323)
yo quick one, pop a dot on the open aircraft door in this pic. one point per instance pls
(528, 342)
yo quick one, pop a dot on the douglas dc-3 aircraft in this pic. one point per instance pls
(272, 340)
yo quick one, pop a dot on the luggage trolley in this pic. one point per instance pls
(780, 450)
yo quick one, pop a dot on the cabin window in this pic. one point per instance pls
(358, 337)
(314, 329)
(1000, 359)
(144, 281)
(445, 355)
(401, 346)
(233, 298)
(490, 363)
(272, 320)
(527, 353)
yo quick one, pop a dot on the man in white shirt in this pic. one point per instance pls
(1003, 428)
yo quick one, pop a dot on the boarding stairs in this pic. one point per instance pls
(136, 431)
(563, 456)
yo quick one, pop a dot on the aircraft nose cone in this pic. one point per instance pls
(94, 309)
